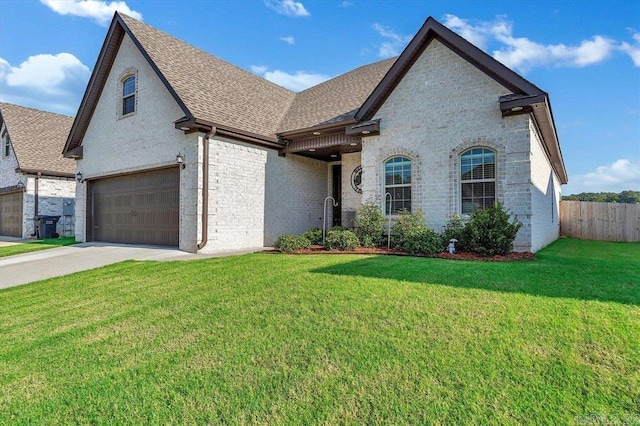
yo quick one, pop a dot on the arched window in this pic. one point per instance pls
(129, 95)
(477, 179)
(397, 182)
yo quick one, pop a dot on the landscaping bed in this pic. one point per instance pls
(462, 255)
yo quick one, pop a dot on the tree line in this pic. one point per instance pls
(629, 197)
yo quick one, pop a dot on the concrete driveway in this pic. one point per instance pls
(56, 262)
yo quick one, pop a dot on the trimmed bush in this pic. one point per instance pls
(287, 243)
(314, 236)
(413, 236)
(490, 232)
(369, 225)
(341, 239)
(454, 229)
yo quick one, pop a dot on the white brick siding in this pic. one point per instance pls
(351, 200)
(295, 189)
(545, 195)
(441, 107)
(145, 140)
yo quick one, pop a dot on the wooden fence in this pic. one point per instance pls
(600, 221)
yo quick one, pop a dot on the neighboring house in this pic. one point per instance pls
(178, 147)
(35, 179)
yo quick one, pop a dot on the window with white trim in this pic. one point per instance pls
(6, 144)
(477, 179)
(129, 95)
(397, 182)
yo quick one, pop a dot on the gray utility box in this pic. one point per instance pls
(46, 226)
(68, 206)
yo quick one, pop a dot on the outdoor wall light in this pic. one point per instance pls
(20, 186)
(79, 177)
(180, 160)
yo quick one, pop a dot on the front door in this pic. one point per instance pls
(337, 194)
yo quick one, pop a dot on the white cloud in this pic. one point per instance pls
(288, 39)
(633, 50)
(51, 82)
(395, 43)
(621, 175)
(288, 7)
(99, 10)
(296, 82)
(258, 69)
(346, 4)
(524, 54)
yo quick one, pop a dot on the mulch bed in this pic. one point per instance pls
(511, 257)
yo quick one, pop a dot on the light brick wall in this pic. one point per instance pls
(443, 106)
(545, 194)
(145, 140)
(351, 200)
(295, 189)
(52, 191)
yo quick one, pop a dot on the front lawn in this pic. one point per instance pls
(36, 246)
(326, 339)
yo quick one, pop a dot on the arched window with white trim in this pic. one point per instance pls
(477, 179)
(397, 182)
(129, 95)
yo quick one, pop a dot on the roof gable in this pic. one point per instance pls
(430, 30)
(37, 138)
(205, 87)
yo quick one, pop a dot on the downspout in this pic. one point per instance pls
(205, 189)
(35, 206)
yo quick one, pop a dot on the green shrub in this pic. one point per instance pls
(369, 225)
(489, 231)
(341, 239)
(314, 236)
(412, 235)
(426, 241)
(287, 243)
(454, 228)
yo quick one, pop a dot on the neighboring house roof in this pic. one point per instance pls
(37, 138)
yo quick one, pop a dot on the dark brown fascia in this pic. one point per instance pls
(75, 153)
(45, 173)
(430, 30)
(190, 125)
(99, 76)
(11, 189)
(322, 128)
(510, 105)
(365, 128)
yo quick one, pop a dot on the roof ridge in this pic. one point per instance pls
(204, 51)
(36, 109)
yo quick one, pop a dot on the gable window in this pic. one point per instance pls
(397, 182)
(129, 95)
(6, 144)
(478, 179)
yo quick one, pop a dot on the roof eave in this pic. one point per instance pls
(430, 30)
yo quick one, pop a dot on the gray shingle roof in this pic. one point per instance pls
(38, 137)
(334, 97)
(211, 88)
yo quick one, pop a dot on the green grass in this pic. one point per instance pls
(325, 339)
(36, 246)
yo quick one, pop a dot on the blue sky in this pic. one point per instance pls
(585, 54)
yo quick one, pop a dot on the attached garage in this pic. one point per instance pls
(140, 208)
(11, 214)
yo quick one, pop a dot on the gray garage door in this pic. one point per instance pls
(11, 214)
(141, 208)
